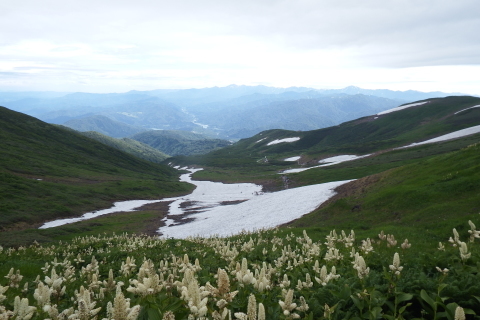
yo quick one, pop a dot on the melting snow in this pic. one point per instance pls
(449, 136)
(259, 211)
(292, 158)
(339, 159)
(327, 162)
(122, 206)
(467, 109)
(260, 140)
(283, 140)
(402, 107)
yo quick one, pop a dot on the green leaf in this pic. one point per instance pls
(427, 299)
(442, 286)
(404, 297)
(357, 302)
(402, 309)
(376, 313)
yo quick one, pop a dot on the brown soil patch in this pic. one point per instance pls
(354, 189)
(151, 226)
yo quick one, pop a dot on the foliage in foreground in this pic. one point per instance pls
(263, 275)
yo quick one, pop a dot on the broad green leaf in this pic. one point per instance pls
(442, 286)
(357, 302)
(404, 297)
(402, 309)
(427, 299)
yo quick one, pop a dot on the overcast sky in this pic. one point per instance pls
(120, 45)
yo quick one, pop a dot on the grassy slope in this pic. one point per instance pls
(411, 188)
(77, 174)
(366, 135)
(174, 142)
(425, 199)
(130, 146)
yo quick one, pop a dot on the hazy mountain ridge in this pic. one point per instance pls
(361, 136)
(301, 114)
(104, 125)
(231, 112)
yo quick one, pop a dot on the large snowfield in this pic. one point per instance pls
(260, 210)
(226, 209)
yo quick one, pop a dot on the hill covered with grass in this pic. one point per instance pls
(130, 146)
(176, 142)
(48, 172)
(259, 156)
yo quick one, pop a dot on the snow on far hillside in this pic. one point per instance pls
(339, 159)
(283, 140)
(292, 158)
(402, 107)
(262, 211)
(449, 136)
(260, 140)
(467, 109)
(327, 162)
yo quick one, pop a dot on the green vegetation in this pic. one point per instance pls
(368, 271)
(245, 159)
(133, 147)
(48, 172)
(275, 274)
(175, 142)
(427, 198)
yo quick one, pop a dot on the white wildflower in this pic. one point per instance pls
(459, 313)
(395, 268)
(406, 244)
(464, 254)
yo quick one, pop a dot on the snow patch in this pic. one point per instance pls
(449, 136)
(283, 140)
(327, 162)
(339, 159)
(402, 107)
(122, 206)
(292, 158)
(261, 140)
(478, 106)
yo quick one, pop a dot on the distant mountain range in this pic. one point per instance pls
(366, 135)
(232, 112)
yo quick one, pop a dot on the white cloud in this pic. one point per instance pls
(425, 45)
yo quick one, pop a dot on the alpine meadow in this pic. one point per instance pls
(393, 235)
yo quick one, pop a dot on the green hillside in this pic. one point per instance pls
(48, 172)
(176, 142)
(133, 147)
(246, 158)
(429, 197)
